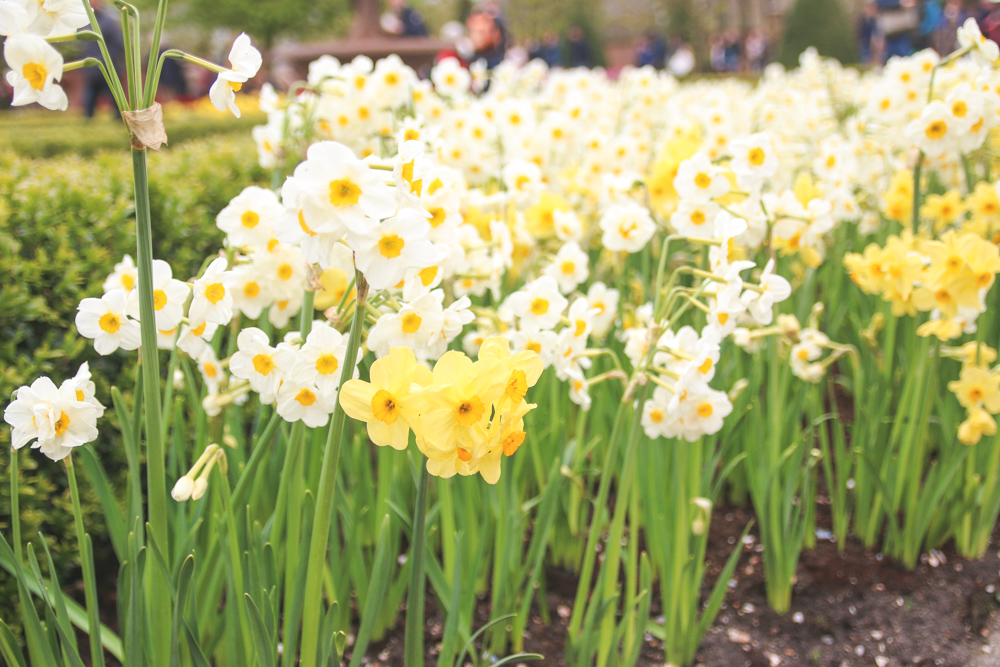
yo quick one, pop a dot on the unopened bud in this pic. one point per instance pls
(182, 489)
(789, 326)
(200, 486)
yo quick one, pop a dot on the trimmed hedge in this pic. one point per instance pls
(64, 223)
(822, 24)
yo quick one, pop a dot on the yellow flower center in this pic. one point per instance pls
(200, 329)
(540, 306)
(437, 217)
(698, 218)
(975, 394)
(512, 442)
(705, 366)
(702, 180)
(534, 347)
(936, 130)
(581, 327)
(756, 157)
(215, 292)
(305, 397)
(428, 275)
(109, 323)
(159, 299)
(705, 410)
(250, 219)
(251, 289)
(62, 424)
(79, 395)
(656, 416)
(464, 455)
(384, 407)
(327, 364)
(344, 192)
(391, 79)
(262, 364)
(36, 74)
(390, 245)
(127, 282)
(469, 411)
(236, 85)
(568, 267)
(210, 370)
(285, 271)
(959, 109)
(411, 323)
(517, 386)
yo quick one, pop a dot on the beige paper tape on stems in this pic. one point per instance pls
(145, 127)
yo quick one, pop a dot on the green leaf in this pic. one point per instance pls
(113, 517)
(9, 648)
(376, 593)
(261, 636)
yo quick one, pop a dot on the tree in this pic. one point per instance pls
(267, 20)
(822, 24)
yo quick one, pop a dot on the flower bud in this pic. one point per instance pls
(200, 486)
(182, 489)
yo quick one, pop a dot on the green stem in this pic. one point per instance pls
(149, 94)
(109, 71)
(159, 593)
(414, 645)
(15, 502)
(89, 588)
(312, 605)
(590, 551)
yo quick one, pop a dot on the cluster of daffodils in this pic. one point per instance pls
(465, 415)
(55, 419)
(948, 277)
(977, 390)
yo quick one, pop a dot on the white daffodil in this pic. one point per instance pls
(50, 18)
(260, 364)
(538, 305)
(754, 157)
(321, 359)
(695, 218)
(35, 67)
(169, 296)
(935, 132)
(339, 185)
(301, 400)
(124, 276)
(984, 50)
(211, 370)
(14, 18)
(245, 61)
(627, 227)
(450, 78)
(773, 289)
(385, 253)
(195, 337)
(248, 220)
(569, 267)
(105, 321)
(213, 299)
(83, 388)
(698, 179)
(53, 416)
(605, 301)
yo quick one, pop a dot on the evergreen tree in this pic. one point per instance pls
(267, 20)
(822, 24)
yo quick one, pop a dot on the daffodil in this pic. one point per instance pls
(245, 61)
(35, 67)
(387, 403)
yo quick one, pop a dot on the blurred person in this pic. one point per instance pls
(459, 46)
(486, 37)
(717, 53)
(898, 21)
(173, 81)
(95, 86)
(755, 49)
(403, 21)
(868, 32)
(652, 50)
(732, 53)
(548, 49)
(578, 48)
(931, 14)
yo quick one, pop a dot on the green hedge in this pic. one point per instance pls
(38, 134)
(64, 223)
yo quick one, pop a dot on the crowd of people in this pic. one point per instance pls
(890, 28)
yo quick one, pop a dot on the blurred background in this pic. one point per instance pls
(687, 37)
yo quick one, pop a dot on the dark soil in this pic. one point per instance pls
(849, 609)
